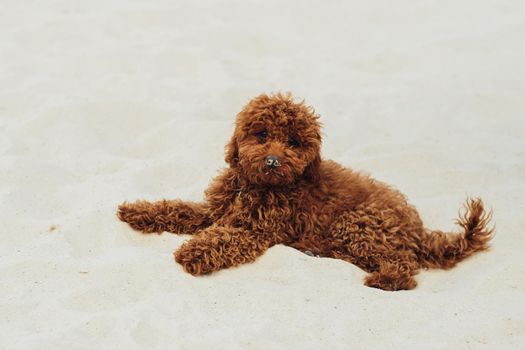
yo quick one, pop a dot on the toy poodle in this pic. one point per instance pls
(277, 190)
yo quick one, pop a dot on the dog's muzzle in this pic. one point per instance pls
(273, 162)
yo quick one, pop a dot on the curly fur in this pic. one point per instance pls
(313, 205)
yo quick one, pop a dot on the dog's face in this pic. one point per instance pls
(276, 141)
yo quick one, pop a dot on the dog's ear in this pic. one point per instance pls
(312, 172)
(232, 152)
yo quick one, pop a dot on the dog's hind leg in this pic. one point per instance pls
(393, 275)
(388, 271)
(378, 242)
(172, 216)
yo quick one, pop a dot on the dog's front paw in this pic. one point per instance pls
(195, 259)
(138, 216)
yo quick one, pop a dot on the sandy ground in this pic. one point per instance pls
(106, 101)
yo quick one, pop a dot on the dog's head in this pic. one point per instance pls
(276, 141)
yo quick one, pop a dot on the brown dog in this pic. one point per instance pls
(277, 190)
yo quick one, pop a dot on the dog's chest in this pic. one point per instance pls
(265, 205)
(266, 211)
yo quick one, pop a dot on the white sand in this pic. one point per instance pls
(106, 101)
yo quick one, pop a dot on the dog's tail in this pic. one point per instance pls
(444, 250)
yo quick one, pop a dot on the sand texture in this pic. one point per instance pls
(107, 101)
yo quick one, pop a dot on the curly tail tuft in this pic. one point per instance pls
(444, 250)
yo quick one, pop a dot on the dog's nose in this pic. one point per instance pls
(273, 161)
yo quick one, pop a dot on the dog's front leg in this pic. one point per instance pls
(173, 216)
(219, 247)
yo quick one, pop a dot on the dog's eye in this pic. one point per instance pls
(262, 136)
(293, 143)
